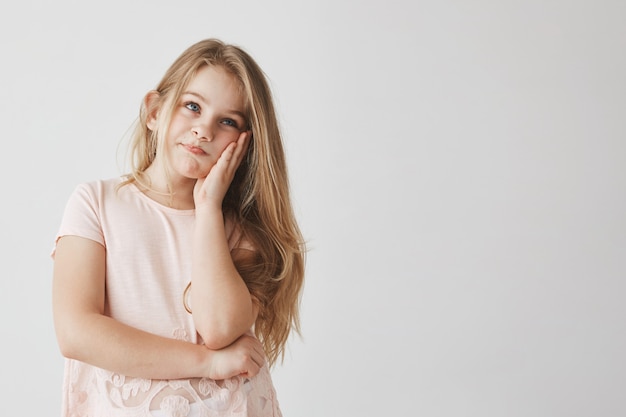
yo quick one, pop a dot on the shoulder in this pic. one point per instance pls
(97, 189)
(91, 195)
(109, 184)
(83, 214)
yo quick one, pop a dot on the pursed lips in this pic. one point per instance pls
(196, 150)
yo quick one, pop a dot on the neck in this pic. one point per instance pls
(171, 192)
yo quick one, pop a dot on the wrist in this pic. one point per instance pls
(206, 362)
(206, 209)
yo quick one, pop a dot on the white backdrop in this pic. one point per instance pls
(458, 168)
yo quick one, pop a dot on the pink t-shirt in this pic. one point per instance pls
(148, 263)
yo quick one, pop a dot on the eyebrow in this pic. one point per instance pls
(201, 97)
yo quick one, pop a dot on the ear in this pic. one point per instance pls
(151, 104)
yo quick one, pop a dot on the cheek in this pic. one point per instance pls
(223, 142)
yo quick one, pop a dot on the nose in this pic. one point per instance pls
(202, 131)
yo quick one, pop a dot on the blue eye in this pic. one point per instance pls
(230, 122)
(194, 107)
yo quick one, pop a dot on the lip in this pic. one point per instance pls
(196, 150)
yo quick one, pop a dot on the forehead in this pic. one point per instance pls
(217, 86)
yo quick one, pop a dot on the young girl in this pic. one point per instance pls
(176, 286)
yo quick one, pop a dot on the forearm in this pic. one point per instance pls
(221, 303)
(106, 343)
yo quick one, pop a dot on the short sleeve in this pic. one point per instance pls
(81, 216)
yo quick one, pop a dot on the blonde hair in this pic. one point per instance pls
(258, 199)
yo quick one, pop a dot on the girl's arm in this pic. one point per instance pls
(84, 333)
(221, 304)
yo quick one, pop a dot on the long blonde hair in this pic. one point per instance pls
(258, 199)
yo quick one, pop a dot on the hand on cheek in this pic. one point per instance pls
(210, 191)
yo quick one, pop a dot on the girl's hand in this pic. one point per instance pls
(243, 357)
(210, 191)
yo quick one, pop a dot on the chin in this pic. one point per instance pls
(193, 171)
(195, 175)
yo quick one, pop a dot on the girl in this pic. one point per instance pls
(176, 287)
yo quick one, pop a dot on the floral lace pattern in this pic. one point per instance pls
(95, 392)
(175, 406)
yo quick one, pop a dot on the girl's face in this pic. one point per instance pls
(207, 118)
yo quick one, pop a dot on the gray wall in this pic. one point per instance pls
(458, 168)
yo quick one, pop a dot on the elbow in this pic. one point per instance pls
(216, 338)
(67, 343)
(220, 332)
(67, 351)
(72, 337)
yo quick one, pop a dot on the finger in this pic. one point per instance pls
(223, 166)
(227, 153)
(253, 369)
(244, 136)
(259, 357)
(241, 147)
(255, 349)
(231, 157)
(249, 368)
(259, 363)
